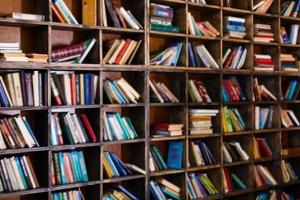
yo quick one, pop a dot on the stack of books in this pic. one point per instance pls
(117, 127)
(162, 18)
(75, 53)
(70, 88)
(263, 62)
(197, 92)
(263, 176)
(119, 17)
(234, 27)
(166, 130)
(200, 186)
(120, 91)
(26, 17)
(72, 195)
(289, 62)
(167, 57)
(200, 56)
(233, 151)
(232, 90)
(262, 92)
(292, 38)
(16, 173)
(263, 117)
(37, 57)
(121, 51)
(231, 181)
(200, 154)
(271, 195)
(201, 28)
(16, 133)
(62, 12)
(164, 189)
(290, 8)
(292, 90)
(200, 121)
(261, 148)
(23, 89)
(12, 52)
(161, 93)
(288, 118)
(263, 33)
(232, 120)
(288, 172)
(119, 191)
(262, 6)
(69, 128)
(234, 58)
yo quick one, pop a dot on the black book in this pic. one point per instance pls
(112, 13)
(3, 181)
(59, 88)
(23, 87)
(29, 89)
(67, 135)
(233, 153)
(197, 57)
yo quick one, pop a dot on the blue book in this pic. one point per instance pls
(3, 98)
(292, 90)
(198, 183)
(56, 196)
(128, 193)
(87, 86)
(235, 28)
(83, 166)
(159, 157)
(129, 172)
(235, 23)
(154, 191)
(296, 8)
(17, 161)
(175, 151)
(119, 167)
(237, 182)
(75, 159)
(191, 56)
(224, 95)
(30, 130)
(111, 164)
(118, 93)
(178, 51)
(191, 189)
(62, 168)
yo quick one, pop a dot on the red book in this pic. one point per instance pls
(235, 90)
(88, 127)
(228, 90)
(264, 149)
(229, 60)
(123, 51)
(264, 61)
(67, 51)
(227, 180)
(120, 17)
(73, 89)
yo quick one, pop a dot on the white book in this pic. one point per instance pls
(17, 173)
(241, 151)
(11, 174)
(25, 16)
(54, 139)
(18, 89)
(9, 45)
(209, 57)
(135, 168)
(87, 51)
(116, 53)
(24, 131)
(293, 116)
(2, 143)
(128, 19)
(227, 155)
(243, 59)
(6, 92)
(104, 17)
(68, 12)
(80, 133)
(195, 91)
(236, 19)
(29, 172)
(203, 111)
(236, 58)
(262, 56)
(36, 92)
(257, 117)
(227, 53)
(190, 24)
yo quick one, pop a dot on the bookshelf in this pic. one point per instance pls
(42, 37)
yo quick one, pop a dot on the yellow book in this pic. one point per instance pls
(89, 16)
(107, 167)
(224, 124)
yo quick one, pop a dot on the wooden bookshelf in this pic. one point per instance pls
(42, 37)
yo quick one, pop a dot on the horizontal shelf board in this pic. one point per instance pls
(74, 185)
(238, 192)
(198, 37)
(106, 143)
(267, 15)
(72, 27)
(203, 167)
(24, 150)
(204, 104)
(159, 139)
(234, 40)
(265, 159)
(120, 30)
(235, 10)
(232, 134)
(266, 130)
(167, 172)
(22, 23)
(196, 136)
(264, 188)
(167, 34)
(123, 105)
(23, 65)
(166, 104)
(25, 192)
(23, 108)
(192, 4)
(236, 163)
(73, 146)
(296, 182)
(107, 67)
(80, 67)
(76, 106)
(125, 178)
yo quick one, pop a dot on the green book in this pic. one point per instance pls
(124, 130)
(130, 125)
(83, 166)
(166, 28)
(169, 193)
(156, 151)
(237, 182)
(57, 169)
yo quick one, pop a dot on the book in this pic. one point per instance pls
(161, 93)
(157, 160)
(168, 57)
(265, 175)
(261, 92)
(234, 58)
(288, 118)
(232, 90)
(262, 6)
(234, 27)
(263, 117)
(71, 194)
(233, 151)
(263, 62)
(162, 188)
(201, 185)
(62, 11)
(201, 28)
(166, 129)
(232, 120)
(89, 12)
(119, 191)
(26, 17)
(175, 155)
(263, 33)
(200, 154)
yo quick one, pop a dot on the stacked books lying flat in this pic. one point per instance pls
(16, 173)
(261, 148)
(75, 53)
(162, 18)
(174, 157)
(199, 56)
(23, 89)
(70, 128)
(26, 17)
(15, 132)
(200, 186)
(232, 90)
(263, 62)
(120, 91)
(289, 62)
(271, 195)
(261, 92)
(121, 51)
(234, 27)
(200, 121)
(161, 93)
(200, 154)
(263, 176)
(71, 195)
(292, 38)
(234, 58)
(292, 90)
(201, 28)
(233, 151)
(68, 167)
(288, 118)
(37, 57)
(263, 33)
(115, 167)
(166, 130)
(119, 192)
(288, 172)
(62, 12)
(232, 120)
(198, 92)
(290, 8)
(119, 17)
(231, 181)
(263, 117)
(286, 196)
(167, 57)
(69, 88)
(163, 189)
(117, 127)
(262, 6)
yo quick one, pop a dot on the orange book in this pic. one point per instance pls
(123, 51)
(57, 14)
(73, 89)
(89, 15)
(67, 167)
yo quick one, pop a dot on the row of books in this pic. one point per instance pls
(292, 90)
(161, 93)
(289, 62)
(263, 62)
(62, 12)
(232, 90)
(200, 121)
(70, 88)
(16, 173)
(166, 130)
(117, 127)
(263, 117)
(200, 154)
(231, 181)
(70, 128)
(288, 172)
(199, 56)
(197, 92)
(261, 148)
(288, 118)
(118, 17)
(232, 120)
(292, 38)
(261, 92)
(120, 91)
(272, 195)
(200, 186)
(201, 28)
(119, 192)
(263, 33)
(233, 151)
(71, 195)
(263, 176)
(23, 89)
(234, 27)
(234, 58)
(164, 189)
(15, 132)
(174, 157)
(168, 57)
(290, 8)
(262, 6)
(68, 167)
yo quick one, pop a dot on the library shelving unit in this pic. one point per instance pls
(42, 37)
